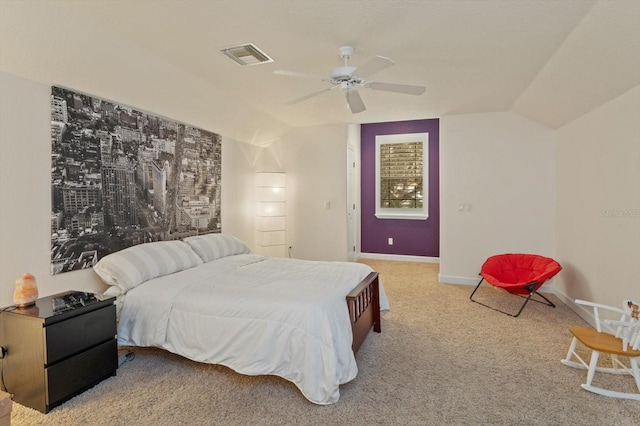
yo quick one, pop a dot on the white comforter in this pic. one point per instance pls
(256, 315)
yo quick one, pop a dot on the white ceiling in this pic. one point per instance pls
(551, 61)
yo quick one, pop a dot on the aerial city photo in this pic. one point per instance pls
(121, 177)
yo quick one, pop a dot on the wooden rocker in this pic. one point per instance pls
(621, 340)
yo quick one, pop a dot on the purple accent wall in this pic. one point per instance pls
(410, 237)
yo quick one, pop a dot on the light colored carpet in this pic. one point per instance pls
(440, 359)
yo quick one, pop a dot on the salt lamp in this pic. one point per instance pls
(26, 291)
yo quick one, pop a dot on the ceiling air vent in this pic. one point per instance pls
(247, 54)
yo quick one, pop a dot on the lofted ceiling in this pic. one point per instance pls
(551, 61)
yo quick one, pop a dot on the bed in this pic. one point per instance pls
(209, 299)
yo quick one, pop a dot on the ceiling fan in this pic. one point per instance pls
(348, 79)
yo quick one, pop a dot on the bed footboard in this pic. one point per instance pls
(364, 309)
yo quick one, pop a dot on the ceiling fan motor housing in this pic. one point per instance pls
(342, 73)
(345, 51)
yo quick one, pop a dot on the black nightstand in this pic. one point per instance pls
(56, 350)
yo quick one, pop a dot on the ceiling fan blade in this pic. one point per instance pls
(375, 65)
(299, 75)
(305, 97)
(355, 101)
(398, 88)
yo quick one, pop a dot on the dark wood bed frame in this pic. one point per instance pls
(364, 309)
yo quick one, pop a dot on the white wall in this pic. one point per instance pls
(501, 167)
(25, 190)
(314, 159)
(239, 164)
(598, 203)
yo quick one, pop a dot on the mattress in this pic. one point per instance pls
(256, 315)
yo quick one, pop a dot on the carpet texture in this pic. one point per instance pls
(440, 360)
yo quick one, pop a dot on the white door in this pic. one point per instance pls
(351, 203)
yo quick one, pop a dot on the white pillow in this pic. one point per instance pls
(112, 291)
(214, 246)
(132, 266)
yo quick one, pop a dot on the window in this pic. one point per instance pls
(401, 176)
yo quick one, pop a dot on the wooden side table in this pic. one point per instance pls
(58, 348)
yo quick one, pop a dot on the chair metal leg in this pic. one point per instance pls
(487, 306)
(549, 303)
(475, 289)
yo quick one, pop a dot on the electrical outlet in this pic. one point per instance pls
(390, 241)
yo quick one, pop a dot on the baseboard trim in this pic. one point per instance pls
(582, 311)
(399, 257)
(452, 279)
(566, 299)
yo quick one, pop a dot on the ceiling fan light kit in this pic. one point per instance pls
(349, 78)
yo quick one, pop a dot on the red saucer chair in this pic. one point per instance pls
(520, 274)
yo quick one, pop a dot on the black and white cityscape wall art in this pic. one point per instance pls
(122, 176)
